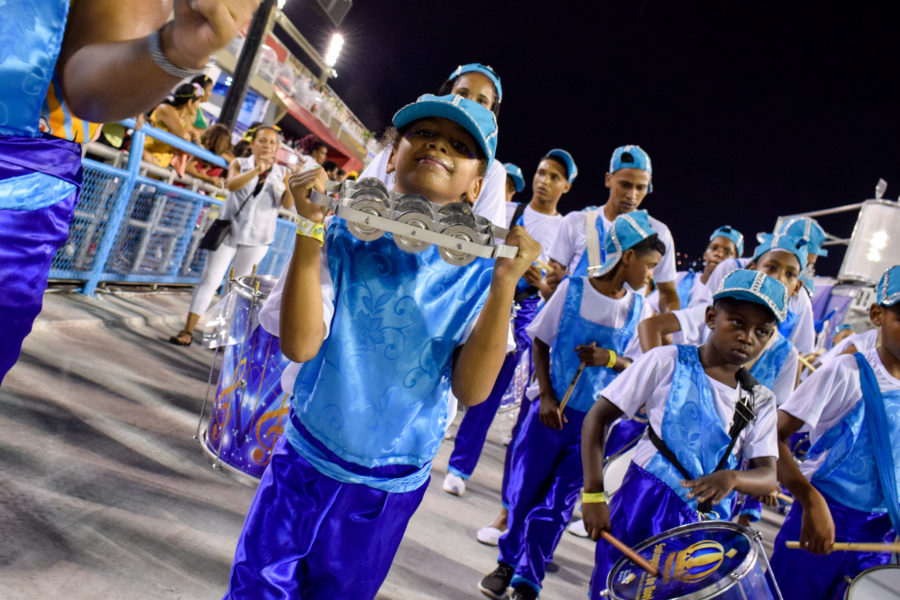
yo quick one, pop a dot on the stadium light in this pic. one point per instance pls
(334, 50)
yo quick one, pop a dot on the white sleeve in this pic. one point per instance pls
(561, 249)
(827, 393)
(634, 350)
(720, 272)
(270, 313)
(693, 324)
(762, 439)
(804, 334)
(491, 202)
(784, 381)
(378, 168)
(546, 324)
(635, 385)
(666, 270)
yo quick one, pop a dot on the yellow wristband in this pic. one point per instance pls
(310, 229)
(612, 359)
(593, 498)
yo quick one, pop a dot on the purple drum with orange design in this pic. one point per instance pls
(250, 408)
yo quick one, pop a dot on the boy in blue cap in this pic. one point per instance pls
(589, 321)
(846, 489)
(580, 240)
(383, 334)
(515, 181)
(686, 464)
(541, 219)
(481, 84)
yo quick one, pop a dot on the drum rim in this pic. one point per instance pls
(719, 586)
(218, 463)
(243, 286)
(892, 567)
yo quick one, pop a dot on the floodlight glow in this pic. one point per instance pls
(334, 49)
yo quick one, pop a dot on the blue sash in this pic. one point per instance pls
(584, 263)
(692, 430)
(575, 330)
(685, 288)
(786, 327)
(769, 365)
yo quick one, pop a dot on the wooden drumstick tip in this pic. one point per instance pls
(853, 546)
(630, 554)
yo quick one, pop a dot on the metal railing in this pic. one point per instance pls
(131, 228)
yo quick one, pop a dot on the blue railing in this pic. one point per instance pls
(131, 228)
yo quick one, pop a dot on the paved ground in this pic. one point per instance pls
(106, 494)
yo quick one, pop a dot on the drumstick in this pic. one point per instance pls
(565, 400)
(543, 265)
(806, 363)
(855, 546)
(631, 554)
(784, 498)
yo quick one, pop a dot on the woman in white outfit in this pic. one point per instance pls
(256, 190)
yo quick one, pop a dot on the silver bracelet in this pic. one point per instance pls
(164, 63)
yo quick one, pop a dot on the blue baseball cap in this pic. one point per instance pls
(843, 327)
(484, 70)
(627, 231)
(755, 286)
(515, 173)
(477, 120)
(566, 159)
(807, 229)
(631, 157)
(730, 233)
(887, 292)
(782, 241)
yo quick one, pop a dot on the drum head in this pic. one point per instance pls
(615, 469)
(696, 561)
(877, 583)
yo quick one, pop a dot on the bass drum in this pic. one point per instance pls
(876, 583)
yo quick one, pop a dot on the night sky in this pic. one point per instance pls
(748, 110)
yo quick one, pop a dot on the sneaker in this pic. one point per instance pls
(494, 584)
(489, 535)
(454, 485)
(523, 591)
(577, 528)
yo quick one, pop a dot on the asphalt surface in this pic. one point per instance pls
(107, 494)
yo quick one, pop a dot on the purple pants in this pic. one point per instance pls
(804, 575)
(30, 237)
(544, 482)
(477, 420)
(312, 537)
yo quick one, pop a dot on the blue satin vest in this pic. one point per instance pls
(685, 288)
(692, 430)
(376, 395)
(786, 327)
(768, 366)
(32, 33)
(848, 473)
(584, 263)
(575, 330)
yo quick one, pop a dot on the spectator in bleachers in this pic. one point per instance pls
(216, 139)
(330, 168)
(176, 115)
(206, 86)
(315, 148)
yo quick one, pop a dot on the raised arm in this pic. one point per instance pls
(105, 65)
(651, 331)
(668, 297)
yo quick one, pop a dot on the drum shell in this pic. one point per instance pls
(875, 583)
(250, 408)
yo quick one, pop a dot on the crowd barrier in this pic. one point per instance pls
(132, 228)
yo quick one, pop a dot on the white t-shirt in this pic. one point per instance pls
(861, 341)
(595, 307)
(647, 383)
(490, 203)
(543, 228)
(827, 395)
(699, 292)
(569, 245)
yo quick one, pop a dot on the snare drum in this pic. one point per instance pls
(615, 468)
(714, 559)
(250, 408)
(876, 583)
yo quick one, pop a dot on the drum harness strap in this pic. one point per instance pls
(528, 292)
(743, 416)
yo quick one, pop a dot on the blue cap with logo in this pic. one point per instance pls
(887, 292)
(782, 241)
(627, 231)
(730, 233)
(566, 159)
(515, 173)
(484, 70)
(631, 156)
(807, 229)
(476, 119)
(757, 287)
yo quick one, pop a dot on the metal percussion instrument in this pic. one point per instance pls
(370, 197)
(875, 583)
(414, 210)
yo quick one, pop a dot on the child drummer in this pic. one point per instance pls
(384, 334)
(846, 489)
(588, 328)
(690, 396)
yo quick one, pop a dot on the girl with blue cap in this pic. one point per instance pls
(481, 84)
(589, 327)
(685, 467)
(383, 335)
(846, 489)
